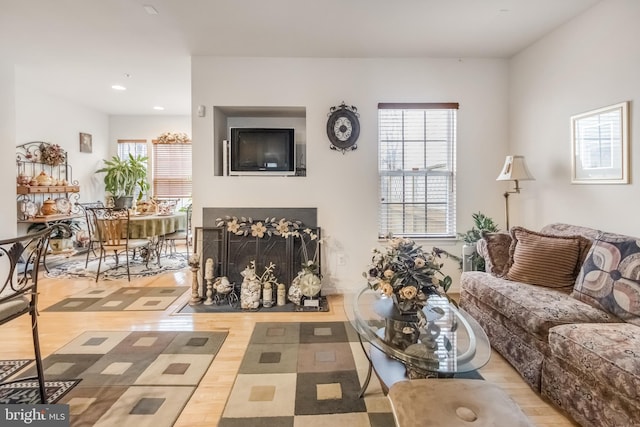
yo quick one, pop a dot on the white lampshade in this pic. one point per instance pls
(515, 169)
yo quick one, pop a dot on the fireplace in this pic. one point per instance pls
(232, 252)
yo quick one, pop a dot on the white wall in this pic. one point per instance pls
(7, 150)
(591, 62)
(42, 117)
(344, 188)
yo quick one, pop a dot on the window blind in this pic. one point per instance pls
(172, 170)
(417, 144)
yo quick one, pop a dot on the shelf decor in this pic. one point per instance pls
(173, 138)
(43, 173)
(52, 154)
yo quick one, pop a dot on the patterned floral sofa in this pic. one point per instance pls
(563, 307)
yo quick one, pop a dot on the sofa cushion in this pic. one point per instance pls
(533, 308)
(494, 248)
(544, 259)
(610, 277)
(562, 229)
(610, 353)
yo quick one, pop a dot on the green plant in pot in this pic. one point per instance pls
(482, 223)
(123, 177)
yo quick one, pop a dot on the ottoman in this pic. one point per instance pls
(454, 403)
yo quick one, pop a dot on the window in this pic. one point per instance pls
(417, 144)
(135, 147)
(172, 170)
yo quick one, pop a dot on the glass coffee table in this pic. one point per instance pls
(401, 347)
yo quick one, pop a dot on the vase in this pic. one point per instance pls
(401, 333)
(295, 293)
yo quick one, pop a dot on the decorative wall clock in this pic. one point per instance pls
(343, 127)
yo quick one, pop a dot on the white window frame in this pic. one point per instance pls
(135, 147)
(423, 214)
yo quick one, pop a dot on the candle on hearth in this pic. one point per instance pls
(281, 295)
(267, 295)
(208, 269)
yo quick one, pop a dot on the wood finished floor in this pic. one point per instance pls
(207, 403)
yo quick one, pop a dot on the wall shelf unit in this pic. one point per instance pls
(32, 161)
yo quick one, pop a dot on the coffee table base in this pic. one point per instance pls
(390, 371)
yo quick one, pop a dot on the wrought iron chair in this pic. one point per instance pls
(112, 227)
(170, 239)
(94, 243)
(20, 259)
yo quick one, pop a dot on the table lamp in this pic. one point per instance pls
(514, 169)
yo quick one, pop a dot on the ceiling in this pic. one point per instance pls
(78, 49)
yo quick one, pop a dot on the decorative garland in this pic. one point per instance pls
(244, 226)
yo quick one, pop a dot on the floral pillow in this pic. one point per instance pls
(610, 277)
(494, 248)
(545, 259)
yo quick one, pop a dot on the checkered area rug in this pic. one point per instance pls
(120, 298)
(142, 378)
(304, 374)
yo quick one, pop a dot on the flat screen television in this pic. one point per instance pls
(258, 151)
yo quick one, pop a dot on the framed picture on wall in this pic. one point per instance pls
(86, 145)
(600, 146)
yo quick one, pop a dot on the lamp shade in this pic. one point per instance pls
(515, 169)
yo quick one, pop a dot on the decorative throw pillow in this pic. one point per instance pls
(610, 277)
(545, 259)
(494, 248)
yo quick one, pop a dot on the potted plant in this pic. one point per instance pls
(123, 177)
(482, 223)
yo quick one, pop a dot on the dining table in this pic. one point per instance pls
(154, 227)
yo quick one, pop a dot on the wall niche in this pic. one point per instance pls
(227, 117)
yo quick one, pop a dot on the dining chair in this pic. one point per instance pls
(170, 239)
(20, 259)
(93, 237)
(112, 227)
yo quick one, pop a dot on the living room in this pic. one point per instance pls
(521, 104)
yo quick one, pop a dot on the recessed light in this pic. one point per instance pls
(118, 87)
(158, 107)
(150, 9)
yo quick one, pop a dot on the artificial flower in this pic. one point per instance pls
(258, 230)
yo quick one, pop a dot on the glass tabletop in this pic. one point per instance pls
(446, 341)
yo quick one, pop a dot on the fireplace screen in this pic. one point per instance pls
(232, 253)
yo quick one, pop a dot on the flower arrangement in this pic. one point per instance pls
(404, 272)
(52, 154)
(173, 138)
